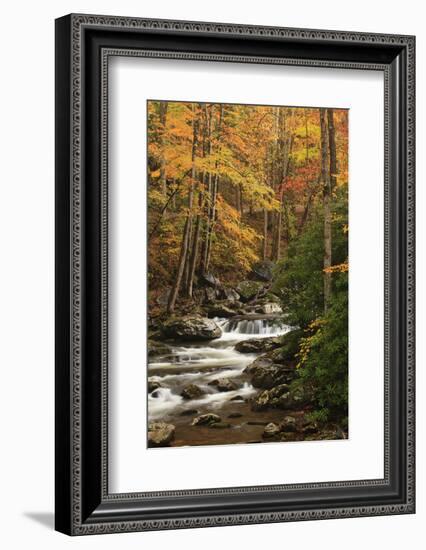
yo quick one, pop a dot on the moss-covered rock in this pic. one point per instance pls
(249, 290)
(281, 397)
(191, 327)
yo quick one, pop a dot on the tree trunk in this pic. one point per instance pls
(184, 251)
(191, 192)
(209, 195)
(285, 145)
(163, 120)
(275, 179)
(182, 257)
(195, 245)
(265, 234)
(325, 178)
(332, 146)
(213, 216)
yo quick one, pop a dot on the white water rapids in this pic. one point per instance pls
(201, 363)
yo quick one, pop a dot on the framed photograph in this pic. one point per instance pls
(234, 274)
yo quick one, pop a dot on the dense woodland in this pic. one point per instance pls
(234, 186)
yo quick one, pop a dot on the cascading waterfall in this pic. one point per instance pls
(200, 364)
(255, 327)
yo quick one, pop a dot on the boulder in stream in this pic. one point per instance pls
(153, 385)
(271, 430)
(270, 398)
(257, 345)
(191, 327)
(160, 434)
(288, 424)
(206, 419)
(281, 397)
(223, 384)
(192, 392)
(266, 374)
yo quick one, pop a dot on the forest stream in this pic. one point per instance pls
(247, 234)
(201, 364)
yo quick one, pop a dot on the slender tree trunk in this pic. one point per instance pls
(275, 179)
(197, 231)
(163, 120)
(265, 234)
(306, 138)
(195, 245)
(213, 212)
(211, 224)
(193, 176)
(285, 145)
(184, 251)
(325, 177)
(332, 146)
(209, 196)
(182, 257)
(305, 215)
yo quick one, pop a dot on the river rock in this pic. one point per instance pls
(192, 392)
(153, 385)
(270, 398)
(295, 399)
(268, 308)
(229, 294)
(223, 384)
(249, 290)
(310, 427)
(206, 419)
(262, 271)
(271, 430)
(288, 424)
(157, 348)
(257, 345)
(266, 374)
(237, 398)
(191, 327)
(209, 279)
(210, 295)
(160, 434)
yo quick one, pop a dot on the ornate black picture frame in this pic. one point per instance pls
(83, 45)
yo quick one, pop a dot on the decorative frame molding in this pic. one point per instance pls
(83, 504)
